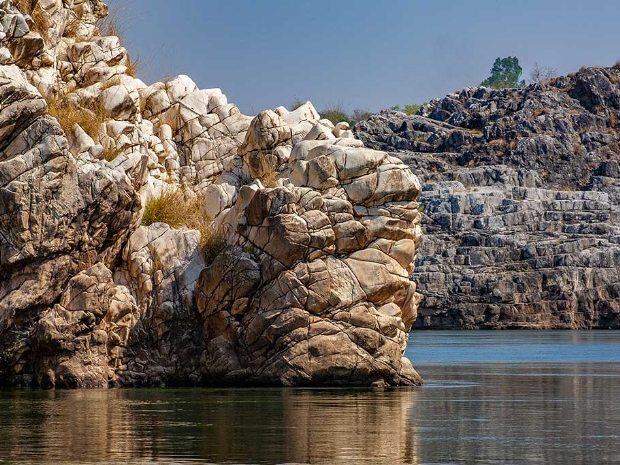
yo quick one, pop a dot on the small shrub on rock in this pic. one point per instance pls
(110, 153)
(336, 114)
(68, 114)
(176, 210)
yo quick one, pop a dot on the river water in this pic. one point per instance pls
(490, 397)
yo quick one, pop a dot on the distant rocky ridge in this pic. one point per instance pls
(318, 234)
(520, 202)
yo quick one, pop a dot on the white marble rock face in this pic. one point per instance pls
(315, 235)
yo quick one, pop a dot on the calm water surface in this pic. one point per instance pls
(491, 397)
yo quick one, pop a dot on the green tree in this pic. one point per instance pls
(506, 73)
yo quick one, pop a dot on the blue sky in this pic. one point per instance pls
(363, 54)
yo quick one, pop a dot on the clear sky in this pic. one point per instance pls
(363, 54)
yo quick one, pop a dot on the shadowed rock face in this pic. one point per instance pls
(520, 199)
(60, 226)
(318, 233)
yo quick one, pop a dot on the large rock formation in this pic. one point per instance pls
(316, 288)
(521, 201)
(297, 273)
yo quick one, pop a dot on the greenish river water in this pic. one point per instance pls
(491, 397)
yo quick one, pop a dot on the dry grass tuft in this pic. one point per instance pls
(110, 153)
(175, 209)
(89, 117)
(25, 6)
(271, 175)
(542, 111)
(265, 168)
(115, 24)
(579, 148)
(113, 81)
(133, 66)
(170, 208)
(72, 26)
(295, 104)
(41, 20)
(116, 21)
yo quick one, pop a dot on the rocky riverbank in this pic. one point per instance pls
(520, 202)
(294, 268)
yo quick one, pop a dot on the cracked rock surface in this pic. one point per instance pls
(520, 198)
(301, 278)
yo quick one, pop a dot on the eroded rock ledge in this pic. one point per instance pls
(316, 234)
(521, 198)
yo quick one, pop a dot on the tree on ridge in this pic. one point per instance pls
(506, 73)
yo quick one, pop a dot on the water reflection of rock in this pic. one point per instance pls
(353, 427)
(519, 413)
(240, 426)
(311, 426)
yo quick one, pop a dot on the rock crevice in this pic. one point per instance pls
(519, 200)
(293, 270)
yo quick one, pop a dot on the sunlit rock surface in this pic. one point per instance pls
(306, 280)
(521, 198)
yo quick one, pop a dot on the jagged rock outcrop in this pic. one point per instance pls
(57, 219)
(316, 288)
(297, 273)
(520, 201)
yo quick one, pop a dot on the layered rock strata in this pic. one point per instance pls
(301, 276)
(520, 203)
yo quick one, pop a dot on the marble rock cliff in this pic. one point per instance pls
(521, 202)
(293, 271)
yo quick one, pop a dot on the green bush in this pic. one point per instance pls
(336, 114)
(411, 109)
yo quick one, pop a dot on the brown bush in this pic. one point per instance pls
(110, 153)
(133, 66)
(68, 114)
(176, 209)
(25, 6)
